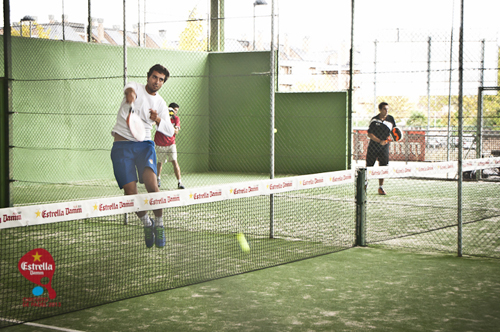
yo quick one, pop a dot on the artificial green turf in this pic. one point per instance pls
(100, 260)
(359, 289)
(201, 244)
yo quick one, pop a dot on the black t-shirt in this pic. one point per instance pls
(381, 129)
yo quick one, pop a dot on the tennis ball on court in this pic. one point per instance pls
(243, 242)
(275, 130)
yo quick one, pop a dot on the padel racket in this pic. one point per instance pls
(136, 125)
(397, 134)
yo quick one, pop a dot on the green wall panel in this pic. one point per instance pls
(312, 132)
(66, 96)
(239, 112)
(65, 100)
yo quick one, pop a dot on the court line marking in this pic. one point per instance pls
(41, 325)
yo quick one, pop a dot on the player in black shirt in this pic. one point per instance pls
(379, 133)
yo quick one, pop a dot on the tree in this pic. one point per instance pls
(192, 38)
(400, 107)
(417, 119)
(39, 31)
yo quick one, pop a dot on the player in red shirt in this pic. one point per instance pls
(166, 150)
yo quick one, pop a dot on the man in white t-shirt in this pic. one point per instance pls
(134, 160)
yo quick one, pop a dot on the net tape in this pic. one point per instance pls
(57, 212)
(430, 169)
(100, 207)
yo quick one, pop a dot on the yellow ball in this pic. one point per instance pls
(243, 242)
(275, 130)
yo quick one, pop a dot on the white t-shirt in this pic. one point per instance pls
(142, 106)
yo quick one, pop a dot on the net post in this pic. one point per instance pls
(360, 206)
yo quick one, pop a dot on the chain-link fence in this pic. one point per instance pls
(266, 89)
(245, 114)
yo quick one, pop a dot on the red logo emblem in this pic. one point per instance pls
(38, 266)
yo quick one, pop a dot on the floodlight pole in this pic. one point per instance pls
(259, 3)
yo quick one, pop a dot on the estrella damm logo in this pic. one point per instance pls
(38, 266)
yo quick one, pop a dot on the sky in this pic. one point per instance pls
(323, 20)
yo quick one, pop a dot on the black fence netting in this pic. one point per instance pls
(69, 256)
(260, 98)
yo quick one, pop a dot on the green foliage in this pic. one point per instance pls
(193, 38)
(399, 107)
(491, 111)
(38, 31)
(417, 119)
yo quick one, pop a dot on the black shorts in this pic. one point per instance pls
(377, 152)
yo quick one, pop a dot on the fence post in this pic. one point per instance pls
(429, 85)
(5, 110)
(360, 206)
(272, 115)
(375, 77)
(460, 128)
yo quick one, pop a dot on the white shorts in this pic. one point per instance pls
(166, 154)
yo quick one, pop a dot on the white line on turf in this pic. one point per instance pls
(41, 325)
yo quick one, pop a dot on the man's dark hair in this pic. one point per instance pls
(382, 104)
(159, 68)
(173, 105)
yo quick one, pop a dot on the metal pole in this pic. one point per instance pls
(6, 109)
(124, 43)
(460, 126)
(63, 22)
(448, 135)
(479, 143)
(253, 47)
(360, 207)
(125, 221)
(214, 26)
(272, 114)
(89, 28)
(481, 77)
(428, 85)
(139, 23)
(221, 25)
(145, 42)
(350, 92)
(375, 79)
(479, 147)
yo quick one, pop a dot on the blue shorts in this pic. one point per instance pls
(131, 158)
